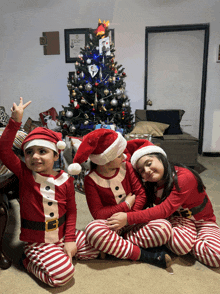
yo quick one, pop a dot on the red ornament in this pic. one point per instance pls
(71, 100)
(123, 113)
(116, 71)
(124, 74)
(78, 72)
(77, 106)
(93, 109)
(96, 84)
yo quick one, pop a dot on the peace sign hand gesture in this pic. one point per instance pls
(18, 110)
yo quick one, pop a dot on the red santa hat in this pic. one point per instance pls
(140, 147)
(45, 138)
(100, 146)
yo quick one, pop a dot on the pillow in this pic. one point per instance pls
(172, 117)
(152, 128)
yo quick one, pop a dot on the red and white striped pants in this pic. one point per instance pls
(207, 245)
(200, 238)
(49, 263)
(155, 233)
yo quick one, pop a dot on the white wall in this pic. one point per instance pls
(26, 72)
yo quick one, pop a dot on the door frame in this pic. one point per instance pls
(180, 28)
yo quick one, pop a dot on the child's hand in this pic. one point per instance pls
(70, 249)
(117, 221)
(130, 199)
(17, 110)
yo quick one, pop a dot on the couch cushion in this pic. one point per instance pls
(172, 117)
(154, 129)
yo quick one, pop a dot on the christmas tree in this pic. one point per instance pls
(96, 89)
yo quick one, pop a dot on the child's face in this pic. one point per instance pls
(150, 168)
(40, 159)
(116, 163)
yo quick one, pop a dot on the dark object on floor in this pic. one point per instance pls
(8, 190)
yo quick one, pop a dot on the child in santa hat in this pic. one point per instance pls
(113, 186)
(47, 203)
(180, 197)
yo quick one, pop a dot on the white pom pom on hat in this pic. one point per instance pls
(74, 169)
(61, 145)
(100, 146)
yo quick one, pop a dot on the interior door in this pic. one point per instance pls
(175, 75)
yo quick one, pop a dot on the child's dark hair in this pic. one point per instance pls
(170, 178)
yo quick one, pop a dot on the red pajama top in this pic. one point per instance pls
(187, 197)
(42, 197)
(106, 195)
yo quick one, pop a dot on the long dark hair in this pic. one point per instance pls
(170, 179)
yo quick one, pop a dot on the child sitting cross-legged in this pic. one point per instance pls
(112, 186)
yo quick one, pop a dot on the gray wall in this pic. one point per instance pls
(26, 72)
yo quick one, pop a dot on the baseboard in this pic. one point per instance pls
(211, 154)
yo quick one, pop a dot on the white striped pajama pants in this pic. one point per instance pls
(49, 263)
(157, 232)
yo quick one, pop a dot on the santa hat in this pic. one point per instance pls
(140, 147)
(100, 146)
(44, 137)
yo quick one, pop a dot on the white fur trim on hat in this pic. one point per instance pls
(113, 151)
(41, 143)
(145, 151)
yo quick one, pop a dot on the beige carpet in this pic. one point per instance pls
(185, 276)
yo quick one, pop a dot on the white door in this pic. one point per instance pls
(175, 62)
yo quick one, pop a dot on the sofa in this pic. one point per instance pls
(163, 128)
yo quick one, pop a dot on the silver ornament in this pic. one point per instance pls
(69, 113)
(86, 122)
(118, 92)
(88, 87)
(114, 102)
(82, 74)
(102, 101)
(88, 61)
(72, 128)
(127, 104)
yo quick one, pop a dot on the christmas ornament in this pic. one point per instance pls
(104, 46)
(106, 91)
(69, 114)
(69, 86)
(72, 128)
(110, 80)
(102, 101)
(80, 87)
(127, 104)
(80, 55)
(93, 70)
(86, 122)
(100, 74)
(88, 87)
(114, 102)
(88, 61)
(83, 101)
(118, 92)
(63, 113)
(82, 74)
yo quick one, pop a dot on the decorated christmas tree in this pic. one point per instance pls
(96, 89)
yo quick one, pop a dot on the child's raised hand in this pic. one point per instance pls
(17, 110)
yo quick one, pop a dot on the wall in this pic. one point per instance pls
(26, 72)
